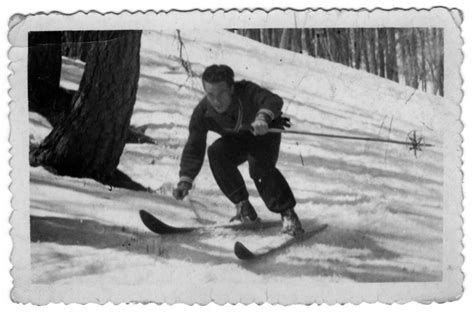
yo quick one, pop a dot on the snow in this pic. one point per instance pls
(384, 206)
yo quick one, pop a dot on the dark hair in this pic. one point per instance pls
(218, 73)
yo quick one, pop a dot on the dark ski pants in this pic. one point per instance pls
(261, 152)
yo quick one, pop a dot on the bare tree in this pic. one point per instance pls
(422, 37)
(364, 49)
(90, 140)
(357, 45)
(306, 46)
(285, 39)
(413, 47)
(382, 46)
(440, 64)
(392, 64)
(264, 35)
(373, 47)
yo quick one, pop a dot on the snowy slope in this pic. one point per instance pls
(383, 205)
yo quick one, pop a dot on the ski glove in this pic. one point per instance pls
(282, 122)
(181, 190)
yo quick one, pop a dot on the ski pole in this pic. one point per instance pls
(415, 142)
(369, 139)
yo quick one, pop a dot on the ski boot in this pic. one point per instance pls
(245, 213)
(291, 224)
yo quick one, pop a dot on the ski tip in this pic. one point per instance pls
(157, 226)
(242, 252)
(144, 214)
(148, 219)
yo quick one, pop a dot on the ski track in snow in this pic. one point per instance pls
(384, 206)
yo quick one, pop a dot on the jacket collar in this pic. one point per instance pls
(235, 110)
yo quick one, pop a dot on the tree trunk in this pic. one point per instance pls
(433, 60)
(334, 49)
(44, 72)
(373, 58)
(293, 40)
(346, 39)
(381, 51)
(363, 44)
(264, 36)
(276, 37)
(319, 44)
(414, 59)
(440, 48)
(328, 42)
(421, 35)
(89, 142)
(357, 42)
(306, 46)
(403, 56)
(296, 40)
(255, 35)
(392, 65)
(285, 39)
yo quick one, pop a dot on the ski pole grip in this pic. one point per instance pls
(276, 130)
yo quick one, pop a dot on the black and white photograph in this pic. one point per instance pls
(237, 157)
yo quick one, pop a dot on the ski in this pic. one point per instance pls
(159, 227)
(244, 253)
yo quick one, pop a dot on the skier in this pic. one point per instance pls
(241, 112)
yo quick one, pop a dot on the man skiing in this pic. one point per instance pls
(242, 113)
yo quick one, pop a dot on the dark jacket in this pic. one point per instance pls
(248, 100)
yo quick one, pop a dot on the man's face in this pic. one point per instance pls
(219, 95)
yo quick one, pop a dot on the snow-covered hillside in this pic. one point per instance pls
(384, 206)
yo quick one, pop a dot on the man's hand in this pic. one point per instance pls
(181, 190)
(259, 127)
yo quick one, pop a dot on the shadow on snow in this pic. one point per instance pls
(374, 264)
